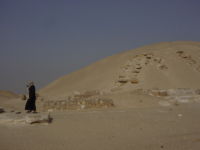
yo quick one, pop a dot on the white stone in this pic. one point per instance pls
(164, 103)
(38, 118)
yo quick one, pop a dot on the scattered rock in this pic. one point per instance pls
(183, 99)
(158, 60)
(139, 67)
(164, 103)
(121, 76)
(162, 67)
(76, 93)
(192, 61)
(136, 71)
(179, 52)
(185, 56)
(146, 62)
(115, 89)
(176, 103)
(2, 110)
(148, 57)
(69, 97)
(198, 68)
(159, 93)
(22, 119)
(180, 115)
(162, 93)
(37, 95)
(87, 94)
(40, 99)
(77, 104)
(134, 81)
(23, 97)
(123, 80)
(197, 91)
(38, 118)
(181, 92)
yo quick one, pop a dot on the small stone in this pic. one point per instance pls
(192, 61)
(176, 103)
(139, 68)
(69, 97)
(179, 52)
(136, 71)
(180, 115)
(23, 97)
(197, 91)
(164, 103)
(76, 93)
(123, 80)
(162, 67)
(148, 57)
(2, 110)
(162, 93)
(158, 60)
(41, 99)
(134, 81)
(122, 76)
(38, 118)
(184, 55)
(82, 106)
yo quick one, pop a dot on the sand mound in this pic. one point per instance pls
(167, 65)
(8, 95)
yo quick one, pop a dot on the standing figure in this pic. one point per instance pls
(30, 104)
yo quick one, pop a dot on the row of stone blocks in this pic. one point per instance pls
(77, 104)
(173, 92)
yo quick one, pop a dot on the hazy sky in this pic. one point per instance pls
(41, 40)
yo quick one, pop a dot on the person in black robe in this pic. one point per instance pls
(30, 104)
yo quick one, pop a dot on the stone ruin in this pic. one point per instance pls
(131, 70)
(188, 59)
(25, 119)
(79, 101)
(176, 96)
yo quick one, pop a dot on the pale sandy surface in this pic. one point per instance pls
(151, 128)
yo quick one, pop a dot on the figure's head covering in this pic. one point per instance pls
(29, 83)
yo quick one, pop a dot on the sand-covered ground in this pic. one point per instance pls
(138, 120)
(150, 128)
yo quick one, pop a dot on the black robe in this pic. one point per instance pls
(30, 104)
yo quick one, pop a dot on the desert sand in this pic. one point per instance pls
(145, 99)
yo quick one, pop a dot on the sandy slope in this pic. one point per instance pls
(162, 65)
(7, 95)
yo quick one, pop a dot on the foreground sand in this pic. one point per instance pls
(150, 128)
